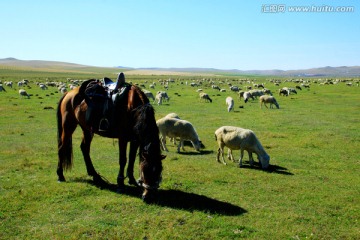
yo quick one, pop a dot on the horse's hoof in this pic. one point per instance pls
(132, 181)
(61, 179)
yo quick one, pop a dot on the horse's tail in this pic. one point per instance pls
(65, 150)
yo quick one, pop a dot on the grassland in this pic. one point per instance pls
(312, 191)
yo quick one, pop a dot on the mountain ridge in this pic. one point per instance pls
(343, 71)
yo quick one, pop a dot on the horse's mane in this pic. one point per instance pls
(145, 126)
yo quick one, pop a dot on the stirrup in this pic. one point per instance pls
(104, 125)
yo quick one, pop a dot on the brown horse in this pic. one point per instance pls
(135, 123)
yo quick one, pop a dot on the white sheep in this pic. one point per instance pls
(268, 99)
(286, 91)
(256, 93)
(9, 84)
(205, 96)
(149, 94)
(161, 96)
(43, 86)
(230, 103)
(172, 127)
(236, 138)
(23, 93)
(172, 115)
(246, 96)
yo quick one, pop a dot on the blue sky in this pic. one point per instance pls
(224, 34)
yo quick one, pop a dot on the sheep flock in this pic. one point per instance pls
(239, 95)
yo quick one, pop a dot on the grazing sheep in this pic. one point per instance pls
(205, 96)
(2, 88)
(9, 84)
(23, 93)
(43, 86)
(163, 95)
(284, 91)
(268, 99)
(172, 115)
(63, 90)
(292, 90)
(172, 127)
(215, 87)
(149, 94)
(246, 96)
(158, 99)
(234, 88)
(256, 93)
(236, 138)
(267, 91)
(230, 103)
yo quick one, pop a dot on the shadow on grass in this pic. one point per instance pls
(202, 152)
(174, 199)
(271, 169)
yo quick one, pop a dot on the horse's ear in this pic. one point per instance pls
(162, 157)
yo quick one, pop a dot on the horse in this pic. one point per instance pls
(135, 123)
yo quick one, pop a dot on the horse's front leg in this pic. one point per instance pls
(85, 149)
(132, 155)
(122, 163)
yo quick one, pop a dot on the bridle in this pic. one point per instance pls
(155, 186)
(141, 182)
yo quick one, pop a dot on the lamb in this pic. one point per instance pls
(172, 127)
(205, 96)
(236, 138)
(230, 103)
(268, 99)
(23, 93)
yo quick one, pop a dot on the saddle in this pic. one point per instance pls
(114, 86)
(102, 97)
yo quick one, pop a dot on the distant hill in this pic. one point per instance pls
(343, 71)
(37, 63)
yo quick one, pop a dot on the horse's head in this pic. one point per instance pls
(150, 175)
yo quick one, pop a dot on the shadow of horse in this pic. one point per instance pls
(175, 199)
(271, 169)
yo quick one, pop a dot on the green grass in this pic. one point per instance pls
(312, 192)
